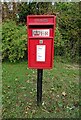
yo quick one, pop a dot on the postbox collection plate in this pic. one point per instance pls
(40, 32)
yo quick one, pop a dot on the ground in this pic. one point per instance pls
(60, 97)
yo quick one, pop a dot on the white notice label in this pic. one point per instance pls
(41, 53)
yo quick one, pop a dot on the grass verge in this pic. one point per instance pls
(60, 91)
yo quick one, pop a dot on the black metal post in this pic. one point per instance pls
(39, 86)
(39, 76)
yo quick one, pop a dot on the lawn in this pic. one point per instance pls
(60, 91)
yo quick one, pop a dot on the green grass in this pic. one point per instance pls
(60, 91)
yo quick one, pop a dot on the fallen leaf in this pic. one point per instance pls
(16, 79)
(43, 103)
(33, 111)
(64, 94)
(58, 96)
(8, 86)
(28, 81)
(45, 110)
(26, 112)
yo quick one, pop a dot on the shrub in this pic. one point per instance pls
(58, 43)
(14, 41)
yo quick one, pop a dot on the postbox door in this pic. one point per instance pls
(40, 53)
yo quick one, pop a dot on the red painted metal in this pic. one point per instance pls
(41, 32)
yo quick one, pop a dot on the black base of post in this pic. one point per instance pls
(39, 86)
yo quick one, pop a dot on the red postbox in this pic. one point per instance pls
(41, 29)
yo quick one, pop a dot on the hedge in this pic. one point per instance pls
(14, 41)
